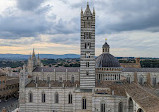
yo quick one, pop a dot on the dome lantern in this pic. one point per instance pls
(105, 47)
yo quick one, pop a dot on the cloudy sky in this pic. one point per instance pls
(53, 26)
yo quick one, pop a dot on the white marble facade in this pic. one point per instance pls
(60, 89)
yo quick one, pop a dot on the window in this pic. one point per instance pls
(56, 97)
(87, 45)
(87, 73)
(154, 81)
(60, 79)
(130, 105)
(37, 78)
(30, 97)
(70, 98)
(84, 103)
(120, 107)
(88, 54)
(87, 64)
(140, 110)
(48, 79)
(102, 107)
(87, 24)
(43, 98)
(141, 80)
(72, 79)
(87, 35)
(128, 79)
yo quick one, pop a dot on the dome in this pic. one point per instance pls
(107, 60)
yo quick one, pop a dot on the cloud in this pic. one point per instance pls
(17, 26)
(29, 5)
(131, 25)
(116, 16)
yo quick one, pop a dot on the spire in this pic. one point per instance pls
(81, 11)
(33, 55)
(87, 11)
(87, 4)
(93, 10)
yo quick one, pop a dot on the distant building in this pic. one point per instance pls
(98, 85)
(11, 72)
(132, 65)
(9, 87)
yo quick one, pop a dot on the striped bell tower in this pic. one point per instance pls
(87, 59)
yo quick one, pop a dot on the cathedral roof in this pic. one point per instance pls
(143, 98)
(107, 60)
(44, 83)
(57, 69)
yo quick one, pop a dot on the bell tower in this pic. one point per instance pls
(87, 59)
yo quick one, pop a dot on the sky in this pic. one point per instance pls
(53, 26)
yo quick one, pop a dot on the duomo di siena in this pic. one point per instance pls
(98, 85)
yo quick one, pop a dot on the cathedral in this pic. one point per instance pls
(99, 85)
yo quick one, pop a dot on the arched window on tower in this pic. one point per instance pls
(88, 54)
(86, 35)
(43, 97)
(87, 24)
(84, 103)
(87, 64)
(87, 72)
(70, 98)
(87, 45)
(120, 107)
(102, 107)
(30, 97)
(56, 97)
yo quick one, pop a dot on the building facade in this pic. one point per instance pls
(98, 85)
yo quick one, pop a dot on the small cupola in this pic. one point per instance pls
(105, 47)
